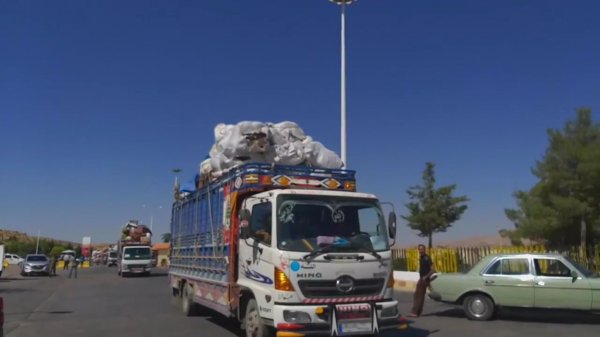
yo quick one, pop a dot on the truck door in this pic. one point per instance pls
(256, 269)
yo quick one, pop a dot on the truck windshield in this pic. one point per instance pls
(112, 255)
(137, 253)
(308, 223)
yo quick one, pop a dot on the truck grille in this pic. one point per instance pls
(136, 266)
(327, 288)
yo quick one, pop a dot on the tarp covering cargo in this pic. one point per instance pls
(283, 143)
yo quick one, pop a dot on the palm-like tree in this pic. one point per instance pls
(166, 237)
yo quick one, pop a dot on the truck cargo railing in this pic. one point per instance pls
(265, 175)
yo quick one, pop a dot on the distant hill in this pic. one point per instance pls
(6, 235)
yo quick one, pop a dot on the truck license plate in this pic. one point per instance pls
(354, 327)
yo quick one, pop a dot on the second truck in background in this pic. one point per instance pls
(134, 251)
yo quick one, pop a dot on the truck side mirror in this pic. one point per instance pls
(244, 218)
(392, 225)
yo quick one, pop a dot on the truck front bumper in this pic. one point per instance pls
(329, 319)
(136, 269)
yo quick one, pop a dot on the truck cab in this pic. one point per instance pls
(329, 256)
(134, 259)
(112, 258)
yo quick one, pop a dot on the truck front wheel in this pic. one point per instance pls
(253, 323)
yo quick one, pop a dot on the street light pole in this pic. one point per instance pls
(37, 245)
(343, 4)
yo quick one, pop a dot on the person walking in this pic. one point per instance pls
(426, 269)
(66, 259)
(74, 266)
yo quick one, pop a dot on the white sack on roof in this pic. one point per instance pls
(250, 141)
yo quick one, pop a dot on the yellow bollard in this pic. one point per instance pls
(60, 264)
(85, 264)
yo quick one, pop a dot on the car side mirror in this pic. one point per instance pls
(392, 225)
(244, 218)
(574, 275)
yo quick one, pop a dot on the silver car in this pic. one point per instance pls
(35, 264)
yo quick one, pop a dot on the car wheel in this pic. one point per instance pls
(253, 324)
(479, 307)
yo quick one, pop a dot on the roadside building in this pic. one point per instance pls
(160, 253)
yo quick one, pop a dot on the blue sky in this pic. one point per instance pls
(99, 100)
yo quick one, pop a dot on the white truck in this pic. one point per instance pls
(287, 250)
(134, 251)
(134, 258)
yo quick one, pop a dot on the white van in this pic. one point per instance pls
(13, 258)
(2, 254)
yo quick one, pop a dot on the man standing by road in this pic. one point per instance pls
(66, 259)
(426, 269)
(52, 266)
(74, 265)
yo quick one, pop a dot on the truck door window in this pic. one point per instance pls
(260, 223)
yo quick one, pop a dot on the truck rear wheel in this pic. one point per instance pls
(188, 306)
(253, 323)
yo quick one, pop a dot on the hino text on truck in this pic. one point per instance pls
(290, 250)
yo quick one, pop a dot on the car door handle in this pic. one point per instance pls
(540, 283)
(489, 282)
(248, 261)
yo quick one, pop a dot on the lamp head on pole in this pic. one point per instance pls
(342, 2)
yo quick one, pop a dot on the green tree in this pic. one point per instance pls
(432, 209)
(77, 251)
(563, 207)
(166, 237)
(56, 250)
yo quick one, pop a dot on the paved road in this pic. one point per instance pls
(99, 303)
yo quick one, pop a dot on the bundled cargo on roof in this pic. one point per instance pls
(283, 143)
(135, 232)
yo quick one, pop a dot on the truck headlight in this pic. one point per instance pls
(390, 311)
(296, 316)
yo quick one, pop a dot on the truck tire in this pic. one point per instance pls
(188, 306)
(253, 324)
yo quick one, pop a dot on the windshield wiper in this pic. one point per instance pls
(315, 253)
(370, 251)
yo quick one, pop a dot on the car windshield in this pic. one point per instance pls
(137, 253)
(112, 254)
(581, 269)
(342, 224)
(36, 258)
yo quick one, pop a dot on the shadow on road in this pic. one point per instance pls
(531, 316)
(14, 290)
(410, 332)
(233, 326)
(59, 312)
(10, 279)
